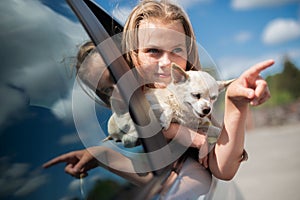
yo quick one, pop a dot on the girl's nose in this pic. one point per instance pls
(165, 60)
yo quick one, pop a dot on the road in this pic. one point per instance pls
(273, 168)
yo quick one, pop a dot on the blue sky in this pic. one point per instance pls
(238, 33)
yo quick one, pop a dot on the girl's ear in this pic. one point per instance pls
(178, 74)
(224, 84)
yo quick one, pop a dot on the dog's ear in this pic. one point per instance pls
(224, 84)
(178, 74)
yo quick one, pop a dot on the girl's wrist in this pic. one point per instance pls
(236, 105)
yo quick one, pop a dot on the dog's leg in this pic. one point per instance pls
(166, 117)
(112, 129)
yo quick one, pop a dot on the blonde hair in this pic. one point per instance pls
(166, 12)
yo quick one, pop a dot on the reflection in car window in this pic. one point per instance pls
(38, 43)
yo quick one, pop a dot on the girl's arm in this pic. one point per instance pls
(226, 157)
(78, 163)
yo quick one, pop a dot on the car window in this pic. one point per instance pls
(39, 42)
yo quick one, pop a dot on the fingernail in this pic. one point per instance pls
(250, 94)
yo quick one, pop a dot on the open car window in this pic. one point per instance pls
(39, 41)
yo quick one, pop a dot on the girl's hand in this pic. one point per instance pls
(250, 86)
(77, 162)
(191, 138)
(204, 161)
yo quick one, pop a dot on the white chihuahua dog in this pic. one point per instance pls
(188, 100)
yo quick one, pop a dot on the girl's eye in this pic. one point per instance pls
(107, 91)
(153, 51)
(177, 50)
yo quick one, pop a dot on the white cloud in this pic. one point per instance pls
(31, 185)
(69, 139)
(190, 3)
(80, 109)
(294, 54)
(34, 40)
(247, 4)
(280, 31)
(88, 125)
(19, 179)
(74, 185)
(232, 66)
(121, 13)
(243, 37)
(12, 100)
(62, 108)
(17, 169)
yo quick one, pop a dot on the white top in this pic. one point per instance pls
(193, 182)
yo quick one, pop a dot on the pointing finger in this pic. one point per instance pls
(54, 161)
(59, 159)
(254, 71)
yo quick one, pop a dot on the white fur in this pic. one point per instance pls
(187, 100)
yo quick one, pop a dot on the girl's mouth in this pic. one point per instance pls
(163, 75)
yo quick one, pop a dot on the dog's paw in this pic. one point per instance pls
(165, 119)
(129, 141)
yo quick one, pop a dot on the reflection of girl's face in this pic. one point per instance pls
(98, 74)
(160, 44)
(105, 84)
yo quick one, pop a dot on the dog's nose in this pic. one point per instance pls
(206, 110)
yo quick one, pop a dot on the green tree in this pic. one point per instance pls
(285, 86)
(290, 79)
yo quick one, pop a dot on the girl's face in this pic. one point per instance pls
(160, 44)
(97, 73)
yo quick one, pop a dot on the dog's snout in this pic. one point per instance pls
(206, 110)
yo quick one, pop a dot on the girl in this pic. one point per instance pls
(156, 34)
(89, 67)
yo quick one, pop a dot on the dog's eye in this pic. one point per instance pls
(196, 95)
(213, 98)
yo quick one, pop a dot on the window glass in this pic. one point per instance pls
(39, 42)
